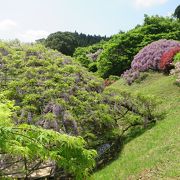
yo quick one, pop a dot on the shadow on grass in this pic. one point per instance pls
(136, 132)
(117, 146)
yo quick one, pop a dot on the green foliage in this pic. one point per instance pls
(6, 108)
(141, 77)
(177, 58)
(67, 42)
(135, 109)
(92, 67)
(177, 12)
(117, 54)
(120, 50)
(150, 155)
(113, 78)
(88, 56)
(55, 92)
(34, 143)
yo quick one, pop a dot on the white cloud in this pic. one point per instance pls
(148, 3)
(9, 29)
(7, 24)
(32, 35)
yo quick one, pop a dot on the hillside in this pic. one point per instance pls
(51, 91)
(104, 105)
(155, 153)
(113, 57)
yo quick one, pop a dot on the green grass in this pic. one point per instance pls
(154, 154)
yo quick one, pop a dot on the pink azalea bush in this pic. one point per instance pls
(167, 58)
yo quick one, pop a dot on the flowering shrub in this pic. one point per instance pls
(130, 75)
(167, 58)
(149, 58)
(176, 72)
(94, 55)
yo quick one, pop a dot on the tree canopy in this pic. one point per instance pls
(62, 105)
(177, 12)
(117, 54)
(67, 42)
(25, 149)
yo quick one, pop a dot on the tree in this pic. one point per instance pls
(177, 12)
(25, 149)
(120, 50)
(55, 92)
(67, 42)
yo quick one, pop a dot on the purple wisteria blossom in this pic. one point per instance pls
(148, 58)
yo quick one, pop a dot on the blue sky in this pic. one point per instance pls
(28, 20)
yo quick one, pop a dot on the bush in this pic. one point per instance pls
(167, 58)
(150, 57)
(31, 146)
(54, 92)
(141, 77)
(119, 51)
(88, 56)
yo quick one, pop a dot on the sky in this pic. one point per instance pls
(29, 20)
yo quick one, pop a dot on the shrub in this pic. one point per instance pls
(150, 58)
(141, 77)
(27, 147)
(177, 57)
(92, 67)
(167, 58)
(119, 51)
(55, 92)
(110, 80)
(88, 56)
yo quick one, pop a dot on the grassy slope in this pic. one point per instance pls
(156, 153)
